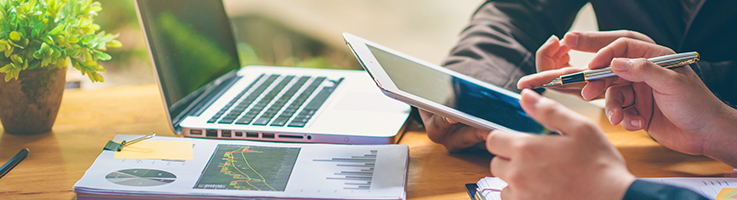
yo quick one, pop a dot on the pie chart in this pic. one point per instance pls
(141, 177)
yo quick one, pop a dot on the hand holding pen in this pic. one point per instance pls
(667, 61)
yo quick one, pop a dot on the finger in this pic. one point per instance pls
(618, 98)
(463, 137)
(500, 166)
(501, 143)
(435, 125)
(543, 77)
(632, 120)
(549, 48)
(592, 41)
(554, 115)
(594, 89)
(454, 136)
(562, 50)
(627, 48)
(548, 55)
(642, 70)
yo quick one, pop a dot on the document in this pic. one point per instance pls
(488, 188)
(235, 169)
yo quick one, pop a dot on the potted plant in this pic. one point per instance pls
(38, 40)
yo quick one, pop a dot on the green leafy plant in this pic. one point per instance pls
(44, 33)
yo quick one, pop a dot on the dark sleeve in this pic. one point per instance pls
(643, 190)
(499, 44)
(720, 78)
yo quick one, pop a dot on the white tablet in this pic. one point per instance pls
(442, 91)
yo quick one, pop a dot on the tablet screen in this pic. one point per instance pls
(460, 94)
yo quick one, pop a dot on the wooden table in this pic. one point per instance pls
(89, 118)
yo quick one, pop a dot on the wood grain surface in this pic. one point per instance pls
(89, 118)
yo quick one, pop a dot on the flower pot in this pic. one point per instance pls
(29, 104)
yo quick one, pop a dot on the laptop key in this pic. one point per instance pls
(262, 121)
(280, 121)
(297, 124)
(257, 92)
(220, 113)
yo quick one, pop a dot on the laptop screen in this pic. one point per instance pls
(191, 44)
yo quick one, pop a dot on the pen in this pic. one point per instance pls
(667, 61)
(13, 162)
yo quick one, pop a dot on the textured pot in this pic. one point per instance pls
(29, 104)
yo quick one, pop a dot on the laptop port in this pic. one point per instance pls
(291, 136)
(252, 134)
(225, 133)
(267, 135)
(239, 134)
(212, 133)
(195, 132)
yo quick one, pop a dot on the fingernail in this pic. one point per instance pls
(572, 39)
(636, 123)
(620, 64)
(609, 114)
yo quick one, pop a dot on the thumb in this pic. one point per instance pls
(554, 115)
(642, 70)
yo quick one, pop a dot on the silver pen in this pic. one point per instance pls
(667, 61)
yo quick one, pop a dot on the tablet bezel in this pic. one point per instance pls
(381, 78)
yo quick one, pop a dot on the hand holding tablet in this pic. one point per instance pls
(442, 91)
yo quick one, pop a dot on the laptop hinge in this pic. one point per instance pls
(203, 101)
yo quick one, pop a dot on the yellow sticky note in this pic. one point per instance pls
(157, 150)
(726, 194)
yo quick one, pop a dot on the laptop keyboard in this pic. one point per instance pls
(278, 113)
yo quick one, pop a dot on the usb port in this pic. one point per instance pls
(252, 134)
(267, 135)
(195, 132)
(239, 134)
(225, 133)
(212, 133)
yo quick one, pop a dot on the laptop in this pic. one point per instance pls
(207, 94)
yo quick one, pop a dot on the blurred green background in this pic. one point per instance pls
(301, 33)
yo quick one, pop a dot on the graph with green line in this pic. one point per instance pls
(245, 167)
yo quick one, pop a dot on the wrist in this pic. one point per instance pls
(722, 135)
(622, 185)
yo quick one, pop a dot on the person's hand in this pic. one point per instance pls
(451, 134)
(673, 106)
(579, 164)
(552, 59)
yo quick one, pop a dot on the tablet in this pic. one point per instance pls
(442, 91)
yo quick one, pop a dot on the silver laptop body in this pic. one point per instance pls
(207, 94)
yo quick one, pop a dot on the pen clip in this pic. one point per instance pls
(114, 146)
(682, 63)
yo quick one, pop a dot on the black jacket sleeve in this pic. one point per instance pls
(500, 43)
(643, 190)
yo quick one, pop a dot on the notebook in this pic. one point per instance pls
(208, 95)
(236, 169)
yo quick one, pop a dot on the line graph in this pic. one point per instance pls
(244, 167)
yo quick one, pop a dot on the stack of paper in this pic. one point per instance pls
(242, 169)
